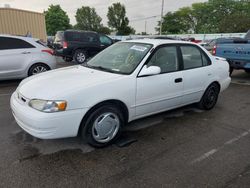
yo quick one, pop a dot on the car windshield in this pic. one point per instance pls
(121, 58)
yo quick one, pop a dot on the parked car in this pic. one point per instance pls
(80, 45)
(125, 82)
(50, 41)
(236, 51)
(209, 45)
(22, 56)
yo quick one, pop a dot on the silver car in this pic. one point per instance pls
(22, 56)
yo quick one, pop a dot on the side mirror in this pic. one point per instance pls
(148, 71)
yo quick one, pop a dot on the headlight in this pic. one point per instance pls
(48, 106)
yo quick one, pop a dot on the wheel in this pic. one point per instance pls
(247, 71)
(210, 97)
(103, 126)
(37, 68)
(80, 56)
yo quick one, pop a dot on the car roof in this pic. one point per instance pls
(80, 31)
(19, 37)
(157, 42)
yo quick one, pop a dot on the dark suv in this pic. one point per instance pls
(80, 45)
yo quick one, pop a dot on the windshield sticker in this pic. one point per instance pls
(138, 48)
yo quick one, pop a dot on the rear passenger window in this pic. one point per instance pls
(166, 58)
(7, 43)
(192, 57)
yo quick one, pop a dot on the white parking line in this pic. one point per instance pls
(213, 151)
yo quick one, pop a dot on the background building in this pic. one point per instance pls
(22, 22)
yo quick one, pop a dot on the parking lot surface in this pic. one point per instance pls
(181, 148)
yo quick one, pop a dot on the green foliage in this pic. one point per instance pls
(104, 30)
(88, 19)
(56, 19)
(214, 16)
(117, 19)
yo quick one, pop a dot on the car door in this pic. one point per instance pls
(197, 72)
(14, 54)
(163, 91)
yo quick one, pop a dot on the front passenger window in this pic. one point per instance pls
(166, 58)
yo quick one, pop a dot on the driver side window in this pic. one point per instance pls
(166, 58)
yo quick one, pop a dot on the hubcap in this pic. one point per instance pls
(38, 69)
(80, 57)
(105, 127)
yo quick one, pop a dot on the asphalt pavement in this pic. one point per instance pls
(186, 147)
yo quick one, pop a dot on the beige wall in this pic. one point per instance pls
(19, 22)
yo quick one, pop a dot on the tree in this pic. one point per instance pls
(88, 19)
(117, 19)
(56, 19)
(213, 16)
(104, 30)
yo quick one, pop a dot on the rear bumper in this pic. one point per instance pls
(225, 84)
(63, 53)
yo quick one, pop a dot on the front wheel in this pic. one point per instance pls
(103, 126)
(210, 97)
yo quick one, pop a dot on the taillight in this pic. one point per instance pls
(65, 45)
(50, 51)
(214, 50)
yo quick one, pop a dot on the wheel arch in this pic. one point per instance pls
(31, 65)
(118, 103)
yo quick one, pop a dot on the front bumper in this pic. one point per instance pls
(239, 64)
(46, 125)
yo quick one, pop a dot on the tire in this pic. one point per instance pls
(80, 56)
(107, 117)
(210, 97)
(247, 71)
(231, 70)
(38, 68)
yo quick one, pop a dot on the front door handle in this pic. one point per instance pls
(178, 80)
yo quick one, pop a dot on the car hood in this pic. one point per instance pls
(57, 84)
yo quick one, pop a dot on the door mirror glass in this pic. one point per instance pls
(148, 71)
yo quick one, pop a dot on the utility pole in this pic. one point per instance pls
(145, 26)
(162, 9)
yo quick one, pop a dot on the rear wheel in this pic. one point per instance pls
(210, 97)
(103, 126)
(38, 68)
(80, 56)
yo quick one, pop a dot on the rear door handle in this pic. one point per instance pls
(178, 80)
(26, 52)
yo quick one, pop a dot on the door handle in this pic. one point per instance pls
(178, 80)
(26, 52)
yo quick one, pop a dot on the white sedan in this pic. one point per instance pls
(22, 56)
(127, 81)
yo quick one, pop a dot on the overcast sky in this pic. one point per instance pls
(136, 10)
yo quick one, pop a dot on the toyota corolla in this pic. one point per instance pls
(125, 82)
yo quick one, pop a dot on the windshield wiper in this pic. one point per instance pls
(103, 69)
